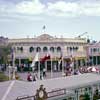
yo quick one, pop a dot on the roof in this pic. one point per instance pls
(46, 38)
(21, 88)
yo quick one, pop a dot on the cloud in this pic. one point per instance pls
(59, 8)
(30, 7)
(62, 8)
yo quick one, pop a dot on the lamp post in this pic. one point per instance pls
(13, 63)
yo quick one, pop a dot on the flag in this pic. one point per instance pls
(44, 27)
(46, 57)
(60, 59)
(36, 58)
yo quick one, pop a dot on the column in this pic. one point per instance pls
(62, 66)
(19, 62)
(96, 60)
(51, 69)
(13, 65)
(39, 70)
(46, 65)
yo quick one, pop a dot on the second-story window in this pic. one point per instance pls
(20, 49)
(58, 49)
(45, 49)
(94, 50)
(71, 48)
(31, 49)
(76, 48)
(38, 49)
(52, 49)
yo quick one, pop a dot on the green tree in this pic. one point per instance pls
(3, 77)
(86, 96)
(4, 52)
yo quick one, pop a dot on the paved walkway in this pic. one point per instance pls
(23, 75)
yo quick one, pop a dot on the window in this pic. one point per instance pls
(94, 49)
(45, 49)
(91, 50)
(31, 49)
(70, 48)
(58, 49)
(20, 49)
(76, 48)
(38, 49)
(52, 49)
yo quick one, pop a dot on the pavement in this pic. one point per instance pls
(23, 75)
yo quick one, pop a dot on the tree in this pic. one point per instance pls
(5, 50)
(86, 96)
(3, 77)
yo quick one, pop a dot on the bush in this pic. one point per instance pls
(3, 77)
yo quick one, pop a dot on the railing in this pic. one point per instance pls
(54, 93)
(26, 98)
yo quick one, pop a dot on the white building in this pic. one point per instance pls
(93, 53)
(26, 48)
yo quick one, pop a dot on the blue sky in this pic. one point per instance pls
(67, 18)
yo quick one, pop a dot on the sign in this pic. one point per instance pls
(41, 93)
(56, 92)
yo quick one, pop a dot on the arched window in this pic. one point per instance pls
(52, 49)
(31, 49)
(58, 49)
(76, 48)
(71, 48)
(38, 49)
(94, 49)
(21, 49)
(45, 49)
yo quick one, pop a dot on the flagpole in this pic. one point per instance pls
(51, 66)
(46, 65)
(62, 65)
(13, 65)
(39, 70)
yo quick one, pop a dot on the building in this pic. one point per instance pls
(3, 41)
(25, 49)
(93, 53)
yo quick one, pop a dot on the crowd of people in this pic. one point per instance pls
(81, 70)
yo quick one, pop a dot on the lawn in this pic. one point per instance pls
(3, 77)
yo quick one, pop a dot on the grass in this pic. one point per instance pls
(3, 77)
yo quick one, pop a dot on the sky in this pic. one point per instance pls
(62, 18)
